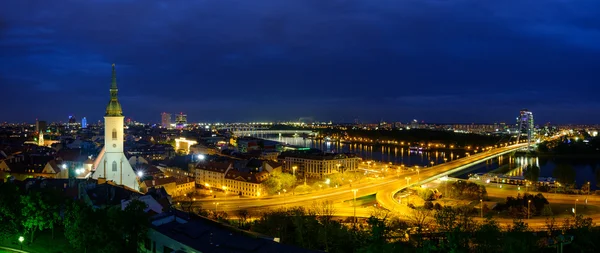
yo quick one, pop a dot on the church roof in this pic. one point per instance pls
(114, 107)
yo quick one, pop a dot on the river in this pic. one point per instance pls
(512, 165)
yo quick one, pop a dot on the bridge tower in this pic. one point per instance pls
(526, 127)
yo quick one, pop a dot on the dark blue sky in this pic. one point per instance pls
(240, 60)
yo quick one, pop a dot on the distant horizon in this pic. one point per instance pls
(94, 122)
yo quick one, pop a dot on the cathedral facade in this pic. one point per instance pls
(111, 164)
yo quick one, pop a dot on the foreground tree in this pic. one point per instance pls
(10, 211)
(35, 213)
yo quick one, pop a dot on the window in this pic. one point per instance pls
(114, 134)
(114, 166)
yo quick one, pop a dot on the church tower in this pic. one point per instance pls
(111, 163)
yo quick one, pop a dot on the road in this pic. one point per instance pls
(384, 188)
(385, 194)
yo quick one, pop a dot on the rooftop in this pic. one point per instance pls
(207, 235)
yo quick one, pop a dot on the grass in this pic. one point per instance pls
(43, 243)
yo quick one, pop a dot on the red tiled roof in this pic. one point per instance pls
(274, 164)
(159, 181)
(256, 178)
(213, 166)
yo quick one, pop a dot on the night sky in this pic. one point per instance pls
(242, 60)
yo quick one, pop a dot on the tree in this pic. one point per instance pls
(278, 181)
(132, 223)
(80, 229)
(10, 210)
(243, 215)
(445, 219)
(420, 218)
(551, 225)
(35, 213)
(488, 237)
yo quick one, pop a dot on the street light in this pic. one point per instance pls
(140, 175)
(294, 170)
(21, 239)
(481, 207)
(407, 180)
(354, 204)
(338, 167)
(201, 157)
(575, 209)
(528, 208)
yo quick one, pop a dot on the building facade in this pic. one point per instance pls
(224, 177)
(318, 165)
(111, 164)
(165, 120)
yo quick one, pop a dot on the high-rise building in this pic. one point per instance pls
(525, 124)
(181, 120)
(165, 120)
(84, 123)
(40, 126)
(111, 163)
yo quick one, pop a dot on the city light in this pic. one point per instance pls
(140, 174)
(201, 157)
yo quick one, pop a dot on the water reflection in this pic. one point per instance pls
(382, 153)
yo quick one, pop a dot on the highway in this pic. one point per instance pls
(385, 194)
(384, 188)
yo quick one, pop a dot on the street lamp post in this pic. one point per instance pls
(21, 239)
(481, 207)
(575, 209)
(354, 204)
(528, 208)
(140, 174)
(407, 180)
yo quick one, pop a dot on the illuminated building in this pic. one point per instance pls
(166, 120)
(525, 123)
(181, 120)
(40, 126)
(84, 123)
(111, 163)
(184, 145)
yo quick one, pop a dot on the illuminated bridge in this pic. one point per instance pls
(259, 132)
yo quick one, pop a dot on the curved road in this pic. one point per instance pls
(385, 195)
(384, 188)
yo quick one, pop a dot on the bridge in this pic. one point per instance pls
(385, 195)
(259, 132)
(384, 189)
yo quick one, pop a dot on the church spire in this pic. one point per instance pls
(114, 107)
(113, 85)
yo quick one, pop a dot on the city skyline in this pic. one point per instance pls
(335, 61)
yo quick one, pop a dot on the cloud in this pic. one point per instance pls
(354, 58)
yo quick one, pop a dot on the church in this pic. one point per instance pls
(111, 164)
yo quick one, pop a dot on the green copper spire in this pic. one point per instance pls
(114, 108)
